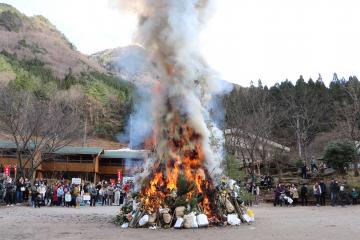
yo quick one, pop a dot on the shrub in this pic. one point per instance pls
(338, 154)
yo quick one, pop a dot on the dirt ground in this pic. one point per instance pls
(295, 223)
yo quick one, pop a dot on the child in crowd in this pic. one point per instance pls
(354, 196)
(68, 199)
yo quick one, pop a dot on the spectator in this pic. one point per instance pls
(54, 195)
(268, 182)
(278, 191)
(354, 196)
(48, 195)
(93, 195)
(317, 193)
(255, 193)
(75, 192)
(122, 196)
(117, 195)
(20, 189)
(342, 194)
(68, 199)
(10, 189)
(27, 189)
(286, 196)
(323, 193)
(334, 190)
(294, 194)
(60, 195)
(110, 194)
(314, 165)
(33, 193)
(304, 195)
(102, 195)
(304, 171)
(42, 191)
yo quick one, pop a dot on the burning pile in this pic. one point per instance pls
(177, 187)
(185, 206)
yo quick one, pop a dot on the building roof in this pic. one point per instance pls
(63, 151)
(80, 150)
(7, 144)
(125, 154)
(261, 140)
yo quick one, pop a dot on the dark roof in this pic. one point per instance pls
(7, 144)
(80, 150)
(125, 154)
(63, 151)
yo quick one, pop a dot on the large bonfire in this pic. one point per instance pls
(187, 143)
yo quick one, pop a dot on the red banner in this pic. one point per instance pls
(119, 175)
(7, 170)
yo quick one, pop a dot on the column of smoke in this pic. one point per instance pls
(169, 30)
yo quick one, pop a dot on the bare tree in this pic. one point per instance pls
(249, 120)
(37, 126)
(302, 112)
(349, 110)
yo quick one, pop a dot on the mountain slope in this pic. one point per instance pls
(36, 57)
(130, 63)
(35, 37)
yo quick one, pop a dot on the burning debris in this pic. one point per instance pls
(186, 207)
(177, 188)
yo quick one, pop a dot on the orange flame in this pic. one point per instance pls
(184, 155)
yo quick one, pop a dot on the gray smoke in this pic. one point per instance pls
(169, 31)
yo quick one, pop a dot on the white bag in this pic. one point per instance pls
(194, 222)
(125, 225)
(202, 220)
(22, 189)
(233, 219)
(86, 197)
(144, 220)
(247, 218)
(289, 200)
(179, 223)
(190, 221)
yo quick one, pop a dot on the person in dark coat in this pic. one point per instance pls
(334, 191)
(277, 192)
(304, 171)
(304, 195)
(10, 192)
(323, 193)
(93, 196)
(20, 189)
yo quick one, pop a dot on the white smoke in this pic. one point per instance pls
(169, 30)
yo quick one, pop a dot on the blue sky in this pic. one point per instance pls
(245, 40)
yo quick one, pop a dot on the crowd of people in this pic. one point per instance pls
(338, 193)
(63, 193)
(105, 193)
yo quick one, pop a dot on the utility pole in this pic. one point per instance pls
(298, 135)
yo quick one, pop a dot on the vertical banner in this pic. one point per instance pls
(7, 170)
(15, 168)
(119, 175)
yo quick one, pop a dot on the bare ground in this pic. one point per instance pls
(296, 223)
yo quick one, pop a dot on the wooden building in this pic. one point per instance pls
(88, 163)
